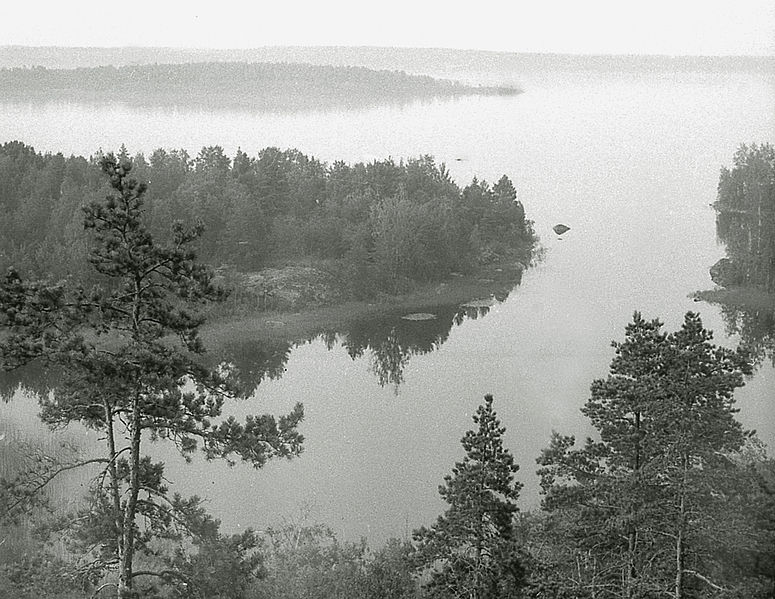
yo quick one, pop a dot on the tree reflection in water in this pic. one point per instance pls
(756, 328)
(745, 224)
(386, 339)
(392, 340)
(34, 379)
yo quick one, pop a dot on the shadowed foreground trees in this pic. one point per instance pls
(671, 498)
(657, 505)
(128, 349)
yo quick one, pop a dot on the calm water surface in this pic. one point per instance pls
(630, 163)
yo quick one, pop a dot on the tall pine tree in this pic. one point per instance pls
(129, 352)
(470, 552)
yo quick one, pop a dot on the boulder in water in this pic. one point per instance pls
(725, 273)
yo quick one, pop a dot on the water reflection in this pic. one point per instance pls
(745, 224)
(254, 361)
(35, 379)
(756, 328)
(392, 339)
(197, 106)
(388, 339)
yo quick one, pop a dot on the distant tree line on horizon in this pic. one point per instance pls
(379, 225)
(261, 85)
(380, 57)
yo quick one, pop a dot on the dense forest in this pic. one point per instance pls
(373, 227)
(214, 85)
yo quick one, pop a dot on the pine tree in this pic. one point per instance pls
(470, 551)
(129, 353)
(635, 499)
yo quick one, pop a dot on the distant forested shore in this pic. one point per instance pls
(231, 84)
(411, 60)
(360, 230)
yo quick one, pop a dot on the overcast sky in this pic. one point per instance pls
(711, 27)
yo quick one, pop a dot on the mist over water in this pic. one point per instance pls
(629, 161)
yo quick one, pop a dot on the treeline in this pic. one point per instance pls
(412, 60)
(378, 226)
(261, 85)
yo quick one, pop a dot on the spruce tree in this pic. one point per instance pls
(471, 551)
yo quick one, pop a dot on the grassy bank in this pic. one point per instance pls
(309, 321)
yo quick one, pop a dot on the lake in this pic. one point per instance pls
(630, 161)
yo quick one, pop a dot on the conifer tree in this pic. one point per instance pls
(129, 353)
(635, 499)
(470, 551)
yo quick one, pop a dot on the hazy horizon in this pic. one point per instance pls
(596, 27)
(380, 47)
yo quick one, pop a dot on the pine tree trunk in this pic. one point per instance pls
(115, 491)
(630, 575)
(632, 537)
(130, 510)
(679, 565)
(679, 538)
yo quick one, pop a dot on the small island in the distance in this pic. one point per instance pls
(249, 85)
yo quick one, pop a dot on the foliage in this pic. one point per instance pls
(470, 551)
(309, 561)
(641, 506)
(128, 349)
(30, 567)
(39, 576)
(384, 224)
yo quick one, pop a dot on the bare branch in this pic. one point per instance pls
(51, 477)
(102, 586)
(707, 581)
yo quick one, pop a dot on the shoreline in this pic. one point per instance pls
(309, 322)
(741, 298)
